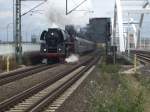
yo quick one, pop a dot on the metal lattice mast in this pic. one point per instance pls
(17, 27)
(18, 39)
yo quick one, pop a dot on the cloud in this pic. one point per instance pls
(55, 13)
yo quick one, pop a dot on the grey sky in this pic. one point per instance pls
(103, 8)
(37, 22)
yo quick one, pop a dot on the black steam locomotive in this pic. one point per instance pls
(57, 44)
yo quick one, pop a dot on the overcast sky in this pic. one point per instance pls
(51, 13)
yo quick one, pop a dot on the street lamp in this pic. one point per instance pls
(7, 30)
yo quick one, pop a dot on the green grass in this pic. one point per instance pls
(109, 68)
(112, 94)
(144, 80)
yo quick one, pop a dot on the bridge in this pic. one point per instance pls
(128, 24)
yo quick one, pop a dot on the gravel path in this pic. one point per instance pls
(79, 100)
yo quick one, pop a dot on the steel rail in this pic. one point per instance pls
(39, 106)
(11, 73)
(7, 104)
(24, 73)
(144, 58)
(144, 55)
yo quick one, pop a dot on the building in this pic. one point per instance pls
(100, 29)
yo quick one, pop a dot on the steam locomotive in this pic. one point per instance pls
(57, 44)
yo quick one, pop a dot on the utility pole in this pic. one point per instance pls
(18, 36)
(128, 37)
(14, 27)
(8, 31)
(66, 7)
(17, 27)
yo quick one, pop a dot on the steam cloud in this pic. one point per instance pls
(55, 14)
(72, 58)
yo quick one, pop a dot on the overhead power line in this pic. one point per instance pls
(73, 9)
(17, 25)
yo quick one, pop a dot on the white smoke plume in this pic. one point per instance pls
(55, 13)
(73, 58)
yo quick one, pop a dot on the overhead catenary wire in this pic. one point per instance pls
(31, 10)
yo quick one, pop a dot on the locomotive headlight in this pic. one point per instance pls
(45, 50)
(59, 49)
(52, 33)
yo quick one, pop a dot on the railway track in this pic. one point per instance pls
(144, 58)
(10, 77)
(37, 98)
(11, 73)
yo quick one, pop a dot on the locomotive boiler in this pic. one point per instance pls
(57, 44)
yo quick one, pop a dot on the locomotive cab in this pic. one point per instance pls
(53, 43)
